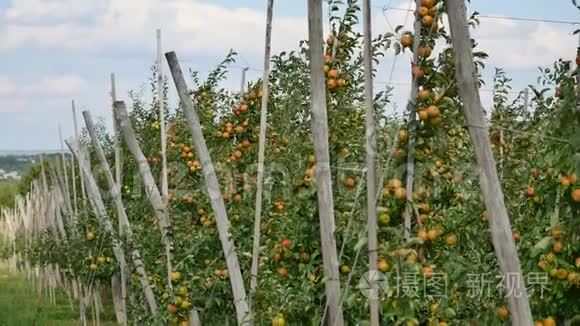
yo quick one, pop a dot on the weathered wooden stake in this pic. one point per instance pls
(115, 192)
(411, 108)
(116, 136)
(161, 101)
(578, 77)
(78, 145)
(73, 169)
(261, 149)
(151, 189)
(98, 206)
(65, 174)
(323, 174)
(213, 188)
(371, 147)
(243, 86)
(501, 232)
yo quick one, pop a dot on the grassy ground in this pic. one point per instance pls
(20, 305)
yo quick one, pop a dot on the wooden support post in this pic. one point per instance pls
(213, 188)
(116, 136)
(65, 174)
(73, 169)
(60, 184)
(371, 148)
(120, 280)
(526, 99)
(501, 232)
(243, 86)
(333, 310)
(411, 108)
(151, 189)
(261, 149)
(78, 145)
(578, 76)
(96, 306)
(161, 101)
(98, 206)
(115, 192)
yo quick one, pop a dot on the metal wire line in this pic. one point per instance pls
(537, 20)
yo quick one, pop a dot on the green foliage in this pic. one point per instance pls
(8, 192)
(450, 232)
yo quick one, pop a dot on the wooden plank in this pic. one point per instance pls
(151, 189)
(371, 149)
(261, 149)
(213, 188)
(115, 192)
(333, 310)
(501, 231)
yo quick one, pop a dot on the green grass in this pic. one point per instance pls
(21, 305)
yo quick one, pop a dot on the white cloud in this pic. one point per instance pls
(200, 27)
(64, 85)
(7, 86)
(32, 10)
(48, 87)
(522, 45)
(191, 27)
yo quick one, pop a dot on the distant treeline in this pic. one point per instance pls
(28, 167)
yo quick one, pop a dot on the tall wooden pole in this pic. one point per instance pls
(243, 85)
(161, 101)
(98, 206)
(261, 149)
(411, 108)
(371, 148)
(323, 176)
(77, 143)
(151, 188)
(73, 170)
(120, 293)
(213, 189)
(578, 77)
(66, 189)
(115, 192)
(501, 232)
(116, 136)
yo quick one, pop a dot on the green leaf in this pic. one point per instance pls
(541, 246)
(361, 243)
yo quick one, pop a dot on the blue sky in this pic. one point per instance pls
(54, 51)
